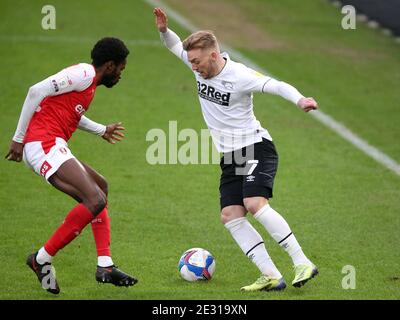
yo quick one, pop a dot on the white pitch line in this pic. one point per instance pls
(322, 117)
(63, 39)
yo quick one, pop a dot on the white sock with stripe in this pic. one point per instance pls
(252, 245)
(278, 228)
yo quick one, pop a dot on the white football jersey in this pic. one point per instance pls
(227, 99)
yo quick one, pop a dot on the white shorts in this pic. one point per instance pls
(44, 158)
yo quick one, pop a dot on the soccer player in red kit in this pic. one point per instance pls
(52, 111)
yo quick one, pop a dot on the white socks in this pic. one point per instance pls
(252, 245)
(43, 257)
(104, 261)
(278, 228)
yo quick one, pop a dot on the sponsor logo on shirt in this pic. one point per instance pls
(55, 85)
(64, 82)
(211, 94)
(61, 83)
(79, 109)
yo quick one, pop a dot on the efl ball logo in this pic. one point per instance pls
(196, 264)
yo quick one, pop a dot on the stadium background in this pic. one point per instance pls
(342, 205)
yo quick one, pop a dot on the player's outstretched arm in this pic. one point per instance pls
(161, 20)
(113, 132)
(307, 104)
(290, 93)
(170, 39)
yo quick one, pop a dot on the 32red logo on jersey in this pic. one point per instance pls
(45, 168)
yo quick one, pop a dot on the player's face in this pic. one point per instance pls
(202, 62)
(113, 74)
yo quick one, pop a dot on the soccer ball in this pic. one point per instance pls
(196, 264)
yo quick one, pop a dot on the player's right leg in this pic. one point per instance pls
(233, 216)
(106, 271)
(72, 179)
(252, 245)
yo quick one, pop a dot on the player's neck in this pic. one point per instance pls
(219, 65)
(99, 75)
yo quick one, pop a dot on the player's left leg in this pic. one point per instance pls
(106, 271)
(256, 192)
(101, 223)
(280, 231)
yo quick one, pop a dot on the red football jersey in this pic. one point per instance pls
(58, 115)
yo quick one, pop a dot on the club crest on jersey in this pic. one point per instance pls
(228, 85)
(210, 93)
(81, 110)
(45, 168)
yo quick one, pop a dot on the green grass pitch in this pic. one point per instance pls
(343, 206)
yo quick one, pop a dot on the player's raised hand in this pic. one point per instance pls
(161, 19)
(113, 133)
(15, 151)
(307, 104)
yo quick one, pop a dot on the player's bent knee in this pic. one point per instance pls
(254, 204)
(229, 214)
(103, 185)
(96, 204)
(224, 218)
(224, 215)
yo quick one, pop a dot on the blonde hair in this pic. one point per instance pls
(204, 39)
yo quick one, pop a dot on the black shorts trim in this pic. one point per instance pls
(237, 199)
(257, 191)
(231, 200)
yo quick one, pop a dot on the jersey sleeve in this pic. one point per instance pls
(174, 44)
(253, 81)
(283, 89)
(90, 126)
(74, 78)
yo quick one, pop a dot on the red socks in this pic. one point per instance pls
(72, 226)
(101, 231)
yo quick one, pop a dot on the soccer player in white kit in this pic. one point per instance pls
(249, 161)
(53, 109)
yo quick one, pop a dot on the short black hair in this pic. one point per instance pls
(109, 49)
